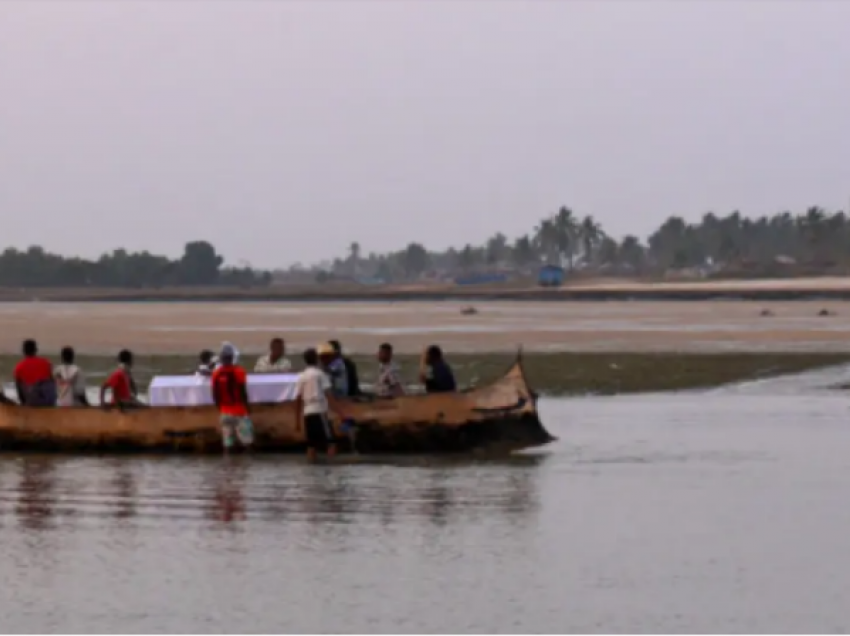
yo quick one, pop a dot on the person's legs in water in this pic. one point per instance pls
(349, 428)
(314, 430)
(329, 435)
(245, 432)
(228, 432)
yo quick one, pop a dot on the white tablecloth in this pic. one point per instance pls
(189, 390)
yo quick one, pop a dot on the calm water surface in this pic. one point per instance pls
(723, 511)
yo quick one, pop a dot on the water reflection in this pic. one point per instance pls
(232, 492)
(36, 493)
(715, 516)
(228, 499)
(124, 484)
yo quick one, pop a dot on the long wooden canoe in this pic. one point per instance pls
(499, 417)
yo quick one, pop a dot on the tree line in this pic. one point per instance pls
(810, 242)
(200, 265)
(815, 240)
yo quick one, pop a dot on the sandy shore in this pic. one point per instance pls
(587, 289)
(165, 328)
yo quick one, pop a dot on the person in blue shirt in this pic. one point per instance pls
(435, 373)
(334, 367)
(352, 378)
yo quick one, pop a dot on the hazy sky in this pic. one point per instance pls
(280, 130)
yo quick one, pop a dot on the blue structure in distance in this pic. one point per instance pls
(550, 276)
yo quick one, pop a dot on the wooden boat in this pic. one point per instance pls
(497, 418)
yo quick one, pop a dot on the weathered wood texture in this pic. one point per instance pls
(500, 417)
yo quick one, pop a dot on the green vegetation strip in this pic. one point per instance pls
(549, 373)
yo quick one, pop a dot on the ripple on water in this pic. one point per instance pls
(693, 512)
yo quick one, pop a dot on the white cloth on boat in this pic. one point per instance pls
(193, 390)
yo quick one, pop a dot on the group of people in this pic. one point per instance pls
(434, 372)
(328, 376)
(39, 383)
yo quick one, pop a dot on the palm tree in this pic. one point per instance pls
(591, 235)
(546, 241)
(632, 253)
(523, 252)
(566, 228)
(812, 226)
(496, 247)
(466, 258)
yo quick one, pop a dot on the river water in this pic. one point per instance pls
(716, 511)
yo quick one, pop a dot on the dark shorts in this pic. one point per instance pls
(319, 430)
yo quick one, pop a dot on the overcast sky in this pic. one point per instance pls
(281, 131)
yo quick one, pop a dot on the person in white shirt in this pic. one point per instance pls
(314, 400)
(70, 381)
(274, 361)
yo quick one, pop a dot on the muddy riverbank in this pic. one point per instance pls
(642, 327)
(550, 374)
(787, 289)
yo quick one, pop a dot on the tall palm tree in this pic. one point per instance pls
(522, 252)
(566, 227)
(812, 227)
(546, 241)
(591, 235)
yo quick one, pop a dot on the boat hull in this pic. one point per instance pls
(498, 418)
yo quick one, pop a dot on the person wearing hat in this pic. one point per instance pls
(230, 394)
(333, 365)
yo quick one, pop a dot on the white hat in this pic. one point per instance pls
(227, 348)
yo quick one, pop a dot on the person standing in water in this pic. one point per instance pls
(70, 381)
(314, 400)
(230, 394)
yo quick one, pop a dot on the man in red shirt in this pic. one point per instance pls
(121, 384)
(34, 378)
(230, 394)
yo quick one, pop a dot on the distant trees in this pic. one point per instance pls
(415, 260)
(199, 265)
(815, 237)
(815, 240)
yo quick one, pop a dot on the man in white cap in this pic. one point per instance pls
(230, 394)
